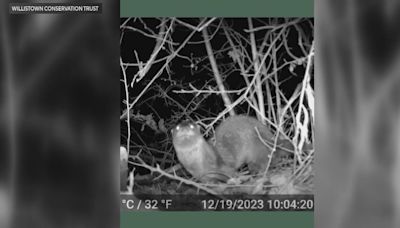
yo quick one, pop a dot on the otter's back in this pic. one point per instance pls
(238, 142)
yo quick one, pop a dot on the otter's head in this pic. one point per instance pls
(185, 132)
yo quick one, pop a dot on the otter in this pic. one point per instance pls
(243, 140)
(198, 156)
(240, 140)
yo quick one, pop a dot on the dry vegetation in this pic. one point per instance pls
(207, 69)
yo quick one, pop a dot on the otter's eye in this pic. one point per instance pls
(177, 127)
(191, 126)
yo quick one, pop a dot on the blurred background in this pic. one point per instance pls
(59, 109)
(357, 113)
